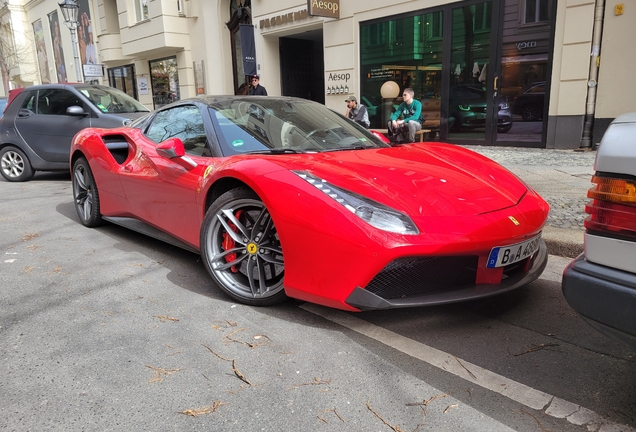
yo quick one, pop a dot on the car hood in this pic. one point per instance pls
(420, 179)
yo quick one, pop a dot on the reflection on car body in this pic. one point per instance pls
(283, 197)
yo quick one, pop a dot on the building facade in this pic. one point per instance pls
(534, 73)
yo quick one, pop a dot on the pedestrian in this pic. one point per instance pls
(257, 89)
(357, 113)
(407, 119)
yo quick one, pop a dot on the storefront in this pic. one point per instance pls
(481, 68)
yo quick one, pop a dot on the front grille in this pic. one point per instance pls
(414, 276)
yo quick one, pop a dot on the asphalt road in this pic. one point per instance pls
(107, 330)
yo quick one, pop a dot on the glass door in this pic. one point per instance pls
(474, 112)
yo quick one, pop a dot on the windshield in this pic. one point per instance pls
(111, 100)
(272, 125)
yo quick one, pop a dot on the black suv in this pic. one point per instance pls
(40, 122)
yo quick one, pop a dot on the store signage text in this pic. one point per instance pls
(283, 19)
(339, 77)
(329, 9)
(524, 45)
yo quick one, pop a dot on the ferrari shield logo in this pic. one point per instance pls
(252, 248)
(207, 171)
(514, 221)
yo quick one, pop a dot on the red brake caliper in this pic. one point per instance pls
(229, 243)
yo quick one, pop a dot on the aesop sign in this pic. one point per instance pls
(325, 8)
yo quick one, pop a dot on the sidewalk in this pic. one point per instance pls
(562, 178)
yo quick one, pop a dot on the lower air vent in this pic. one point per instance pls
(414, 276)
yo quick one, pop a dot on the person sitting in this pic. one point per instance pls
(357, 113)
(407, 119)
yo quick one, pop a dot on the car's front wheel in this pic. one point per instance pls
(85, 194)
(241, 249)
(531, 112)
(504, 129)
(14, 165)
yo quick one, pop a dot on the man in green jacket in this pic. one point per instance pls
(411, 120)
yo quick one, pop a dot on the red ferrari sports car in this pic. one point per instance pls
(284, 197)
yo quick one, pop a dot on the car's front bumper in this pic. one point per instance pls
(603, 296)
(364, 299)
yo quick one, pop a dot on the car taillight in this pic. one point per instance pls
(612, 210)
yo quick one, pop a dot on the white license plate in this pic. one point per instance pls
(504, 255)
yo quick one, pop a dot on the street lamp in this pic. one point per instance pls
(70, 11)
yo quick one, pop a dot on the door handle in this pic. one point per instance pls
(495, 87)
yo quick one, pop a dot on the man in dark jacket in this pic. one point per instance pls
(257, 89)
(357, 113)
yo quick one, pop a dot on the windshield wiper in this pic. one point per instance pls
(352, 147)
(274, 151)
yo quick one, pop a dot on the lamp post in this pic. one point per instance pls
(70, 11)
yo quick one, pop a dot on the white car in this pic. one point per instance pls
(601, 283)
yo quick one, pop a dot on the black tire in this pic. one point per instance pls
(241, 250)
(504, 129)
(531, 112)
(85, 194)
(14, 165)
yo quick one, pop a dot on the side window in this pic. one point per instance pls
(55, 101)
(183, 122)
(29, 102)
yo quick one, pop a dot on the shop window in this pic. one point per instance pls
(411, 58)
(141, 10)
(240, 13)
(123, 78)
(164, 77)
(536, 11)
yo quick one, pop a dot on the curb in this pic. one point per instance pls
(563, 242)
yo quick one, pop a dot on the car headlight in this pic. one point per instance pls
(372, 212)
(504, 105)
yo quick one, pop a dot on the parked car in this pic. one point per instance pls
(3, 105)
(285, 197)
(601, 283)
(468, 106)
(40, 121)
(529, 102)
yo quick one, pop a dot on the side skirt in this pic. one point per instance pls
(150, 231)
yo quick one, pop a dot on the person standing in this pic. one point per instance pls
(257, 89)
(407, 118)
(357, 113)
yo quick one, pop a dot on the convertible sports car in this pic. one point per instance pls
(285, 197)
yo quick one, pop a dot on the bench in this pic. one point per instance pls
(432, 112)
(419, 133)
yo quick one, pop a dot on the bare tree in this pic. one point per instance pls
(17, 62)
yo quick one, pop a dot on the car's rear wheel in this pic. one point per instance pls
(14, 165)
(241, 249)
(531, 112)
(85, 194)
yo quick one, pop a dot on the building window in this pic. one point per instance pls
(180, 6)
(141, 10)
(122, 78)
(431, 26)
(482, 14)
(536, 11)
